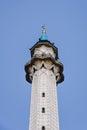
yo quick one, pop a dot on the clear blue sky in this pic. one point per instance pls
(20, 28)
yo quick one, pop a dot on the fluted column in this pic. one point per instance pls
(44, 75)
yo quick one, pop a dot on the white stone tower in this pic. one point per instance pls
(44, 72)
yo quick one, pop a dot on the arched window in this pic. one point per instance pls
(43, 110)
(43, 94)
(43, 127)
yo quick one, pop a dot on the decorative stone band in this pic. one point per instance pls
(48, 63)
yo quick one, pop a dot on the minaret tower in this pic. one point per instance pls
(44, 71)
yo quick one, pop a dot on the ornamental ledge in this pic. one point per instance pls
(48, 63)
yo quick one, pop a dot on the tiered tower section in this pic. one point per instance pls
(44, 72)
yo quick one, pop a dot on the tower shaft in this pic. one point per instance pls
(44, 111)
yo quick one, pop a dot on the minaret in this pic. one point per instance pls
(44, 71)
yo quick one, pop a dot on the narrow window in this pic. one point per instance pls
(43, 94)
(43, 110)
(43, 127)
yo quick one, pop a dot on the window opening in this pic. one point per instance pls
(43, 127)
(43, 94)
(43, 110)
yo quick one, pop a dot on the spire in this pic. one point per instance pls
(43, 36)
(43, 29)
